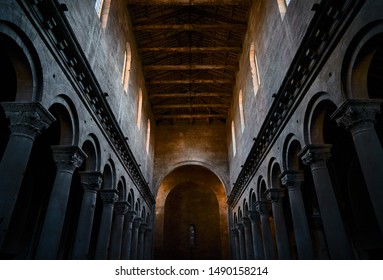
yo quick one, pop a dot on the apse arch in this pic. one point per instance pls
(203, 185)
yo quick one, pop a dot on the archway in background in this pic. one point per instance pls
(191, 216)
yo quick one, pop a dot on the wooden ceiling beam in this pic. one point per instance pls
(153, 27)
(192, 81)
(176, 106)
(189, 2)
(189, 67)
(191, 49)
(189, 95)
(191, 116)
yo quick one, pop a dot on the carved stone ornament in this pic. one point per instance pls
(68, 158)
(275, 195)
(91, 181)
(315, 154)
(291, 179)
(109, 196)
(262, 207)
(28, 119)
(357, 113)
(121, 207)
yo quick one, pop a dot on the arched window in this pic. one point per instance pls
(233, 138)
(102, 8)
(241, 113)
(139, 111)
(148, 137)
(126, 68)
(282, 5)
(254, 68)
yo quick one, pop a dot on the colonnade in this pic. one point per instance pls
(121, 234)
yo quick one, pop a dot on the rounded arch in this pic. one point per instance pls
(178, 193)
(91, 147)
(261, 189)
(291, 148)
(252, 200)
(19, 57)
(361, 78)
(235, 218)
(318, 111)
(192, 163)
(274, 175)
(245, 208)
(121, 189)
(65, 112)
(108, 176)
(143, 213)
(131, 199)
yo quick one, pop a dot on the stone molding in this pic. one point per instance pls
(275, 195)
(315, 155)
(91, 180)
(68, 158)
(109, 196)
(121, 207)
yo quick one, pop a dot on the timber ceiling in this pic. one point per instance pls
(189, 51)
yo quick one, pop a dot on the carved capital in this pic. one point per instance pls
(254, 216)
(357, 114)
(137, 222)
(315, 154)
(291, 179)
(275, 195)
(109, 196)
(68, 158)
(143, 227)
(246, 222)
(91, 181)
(262, 207)
(234, 231)
(129, 216)
(121, 207)
(28, 118)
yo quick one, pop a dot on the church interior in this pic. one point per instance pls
(191, 129)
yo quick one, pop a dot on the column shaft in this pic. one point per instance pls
(292, 180)
(109, 197)
(257, 238)
(268, 244)
(135, 234)
(27, 120)
(67, 159)
(248, 238)
(337, 240)
(242, 242)
(127, 237)
(120, 209)
(91, 182)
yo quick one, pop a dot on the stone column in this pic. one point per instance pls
(148, 244)
(141, 239)
(263, 208)
(248, 238)
(135, 234)
(27, 121)
(127, 236)
(292, 180)
(359, 118)
(281, 236)
(235, 247)
(109, 197)
(242, 242)
(316, 156)
(257, 238)
(91, 183)
(120, 209)
(67, 159)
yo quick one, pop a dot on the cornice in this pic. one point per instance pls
(326, 28)
(48, 17)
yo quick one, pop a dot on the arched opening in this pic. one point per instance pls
(191, 195)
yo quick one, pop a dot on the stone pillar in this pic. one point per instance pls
(109, 197)
(148, 244)
(248, 238)
(235, 247)
(292, 180)
(127, 236)
(242, 242)
(257, 238)
(67, 159)
(316, 156)
(27, 121)
(91, 183)
(263, 208)
(141, 239)
(281, 236)
(120, 209)
(135, 234)
(359, 118)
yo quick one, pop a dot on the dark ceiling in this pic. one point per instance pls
(189, 51)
